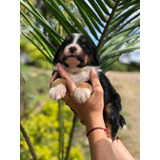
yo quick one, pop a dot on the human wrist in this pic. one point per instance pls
(95, 122)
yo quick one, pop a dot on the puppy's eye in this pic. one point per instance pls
(83, 45)
(67, 42)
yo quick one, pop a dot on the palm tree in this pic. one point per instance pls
(112, 25)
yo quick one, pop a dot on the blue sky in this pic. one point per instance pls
(130, 57)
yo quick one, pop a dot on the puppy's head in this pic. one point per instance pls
(77, 51)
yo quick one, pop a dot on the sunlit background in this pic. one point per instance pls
(40, 115)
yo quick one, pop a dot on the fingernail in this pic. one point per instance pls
(94, 71)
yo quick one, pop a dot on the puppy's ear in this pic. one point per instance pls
(96, 56)
(97, 59)
(59, 51)
(55, 60)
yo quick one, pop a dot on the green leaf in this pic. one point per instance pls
(127, 12)
(128, 21)
(92, 18)
(126, 2)
(125, 30)
(64, 22)
(34, 9)
(86, 19)
(117, 52)
(54, 3)
(77, 23)
(30, 39)
(107, 26)
(125, 6)
(90, 13)
(107, 64)
(109, 3)
(103, 7)
(118, 41)
(39, 33)
(97, 9)
(39, 40)
(131, 27)
(54, 35)
(119, 20)
(134, 43)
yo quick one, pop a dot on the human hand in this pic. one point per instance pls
(91, 112)
(52, 79)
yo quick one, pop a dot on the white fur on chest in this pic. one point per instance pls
(79, 74)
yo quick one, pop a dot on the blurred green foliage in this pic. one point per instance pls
(40, 118)
(36, 57)
(42, 128)
(133, 67)
(32, 94)
(41, 114)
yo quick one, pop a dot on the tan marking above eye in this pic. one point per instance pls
(84, 40)
(68, 38)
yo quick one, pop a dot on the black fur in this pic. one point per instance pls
(110, 95)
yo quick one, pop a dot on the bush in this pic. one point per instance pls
(43, 130)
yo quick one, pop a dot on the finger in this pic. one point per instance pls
(70, 84)
(53, 78)
(94, 79)
(97, 88)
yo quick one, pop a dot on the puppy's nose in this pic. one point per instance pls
(72, 49)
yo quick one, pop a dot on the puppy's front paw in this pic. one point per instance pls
(57, 92)
(82, 95)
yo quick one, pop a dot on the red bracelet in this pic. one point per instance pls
(105, 130)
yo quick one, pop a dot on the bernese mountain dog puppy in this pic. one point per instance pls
(78, 56)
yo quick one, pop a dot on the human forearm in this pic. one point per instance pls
(100, 145)
(91, 114)
(120, 151)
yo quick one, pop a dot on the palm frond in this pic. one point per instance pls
(112, 25)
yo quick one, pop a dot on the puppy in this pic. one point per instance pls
(78, 56)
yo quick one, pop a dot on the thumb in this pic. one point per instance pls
(95, 82)
(94, 78)
(69, 82)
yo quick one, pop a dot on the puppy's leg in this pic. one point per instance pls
(58, 89)
(106, 114)
(83, 92)
(111, 115)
